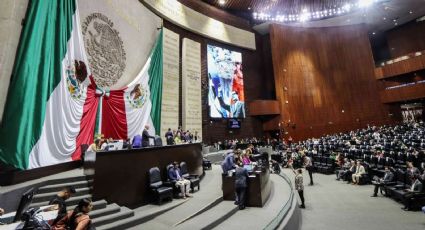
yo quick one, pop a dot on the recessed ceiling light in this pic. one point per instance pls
(373, 33)
(249, 8)
(385, 18)
(411, 12)
(394, 20)
(221, 2)
(395, 23)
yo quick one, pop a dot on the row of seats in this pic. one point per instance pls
(166, 189)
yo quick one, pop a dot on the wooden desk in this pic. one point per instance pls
(122, 176)
(259, 188)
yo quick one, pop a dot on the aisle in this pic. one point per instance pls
(332, 204)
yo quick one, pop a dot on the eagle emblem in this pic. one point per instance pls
(76, 74)
(137, 97)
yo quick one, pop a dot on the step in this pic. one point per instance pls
(142, 215)
(47, 196)
(210, 218)
(70, 202)
(59, 187)
(99, 204)
(122, 214)
(109, 209)
(67, 180)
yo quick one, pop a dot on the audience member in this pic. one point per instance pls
(378, 182)
(340, 174)
(1, 211)
(415, 188)
(175, 176)
(77, 219)
(358, 173)
(59, 202)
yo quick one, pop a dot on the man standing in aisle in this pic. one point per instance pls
(309, 167)
(299, 186)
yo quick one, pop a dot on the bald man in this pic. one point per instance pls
(146, 136)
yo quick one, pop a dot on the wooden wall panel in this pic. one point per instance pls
(264, 107)
(406, 39)
(216, 129)
(325, 80)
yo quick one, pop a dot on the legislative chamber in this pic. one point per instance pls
(212, 114)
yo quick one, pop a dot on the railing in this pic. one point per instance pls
(285, 209)
(401, 58)
(405, 85)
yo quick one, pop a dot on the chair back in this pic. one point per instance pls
(154, 175)
(183, 168)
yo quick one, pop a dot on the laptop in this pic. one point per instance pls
(25, 202)
(248, 168)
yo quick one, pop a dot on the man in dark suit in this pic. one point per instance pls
(169, 137)
(378, 182)
(236, 108)
(241, 177)
(146, 136)
(411, 192)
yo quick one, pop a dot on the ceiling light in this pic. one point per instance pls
(364, 3)
(384, 18)
(221, 2)
(373, 33)
(411, 12)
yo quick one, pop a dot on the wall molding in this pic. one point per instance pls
(201, 24)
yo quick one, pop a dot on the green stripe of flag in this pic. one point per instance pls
(36, 74)
(155, 84)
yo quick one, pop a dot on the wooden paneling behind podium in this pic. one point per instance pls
(329, 78)
(122, 176)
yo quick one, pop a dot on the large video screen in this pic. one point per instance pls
(226, 97)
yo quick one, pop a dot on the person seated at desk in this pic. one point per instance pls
(95, 146)
(175, 176)
(146, 136)
(77, 219)
(245, 159)
(241, 177)
(137, 142)
(416, 188)
(59, 202)
(378, 182)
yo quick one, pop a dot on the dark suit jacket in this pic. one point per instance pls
(241, 176)
(145, 138)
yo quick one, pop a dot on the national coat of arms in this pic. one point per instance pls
(76, 74)
(137, 97)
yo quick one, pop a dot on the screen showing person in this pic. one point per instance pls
(226, 98)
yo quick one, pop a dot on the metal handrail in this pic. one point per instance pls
(273, 224)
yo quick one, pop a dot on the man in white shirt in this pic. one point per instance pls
(358, 173)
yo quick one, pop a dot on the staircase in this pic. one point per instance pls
(102, 215)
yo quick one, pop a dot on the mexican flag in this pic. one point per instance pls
(125, 112)
(51, 104)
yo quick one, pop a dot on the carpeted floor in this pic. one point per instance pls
(332, 204)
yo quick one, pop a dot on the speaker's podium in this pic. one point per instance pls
(121, 176)
(258, 191)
